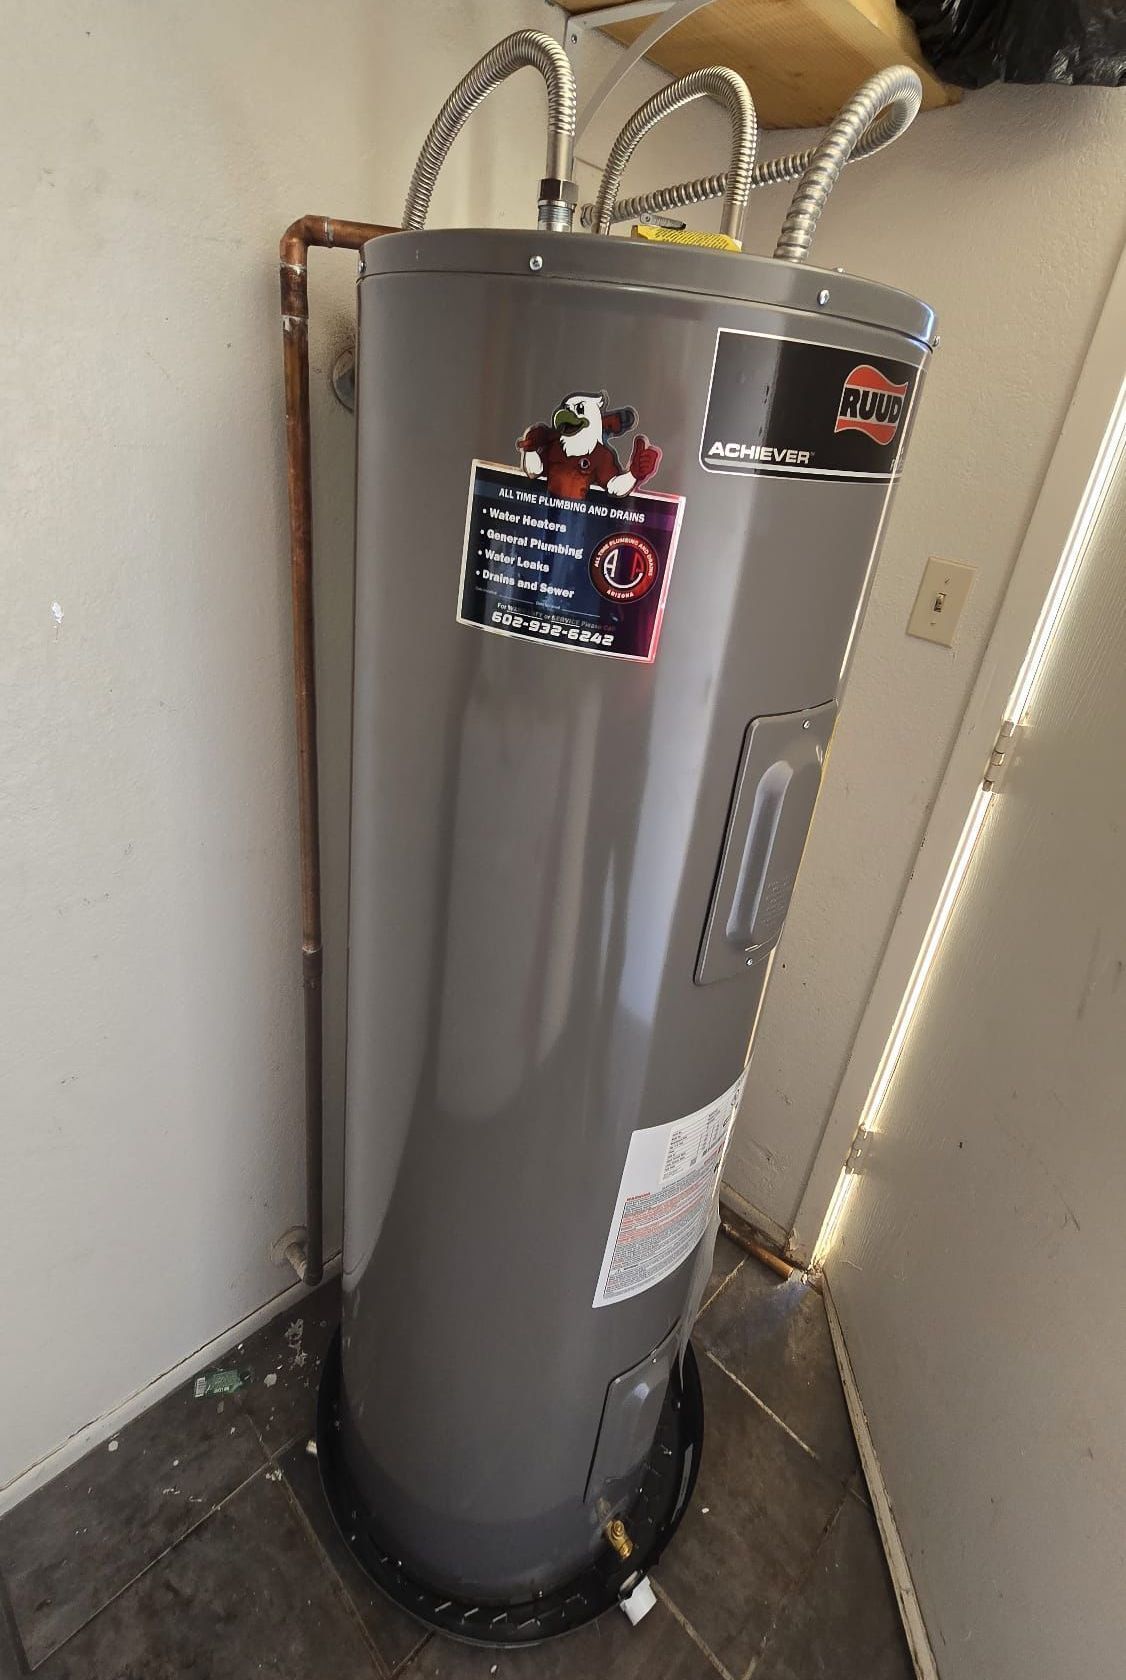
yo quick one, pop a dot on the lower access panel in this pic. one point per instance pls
(629, 1420)
(776, 788)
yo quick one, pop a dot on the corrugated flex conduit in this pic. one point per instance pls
(877, 113)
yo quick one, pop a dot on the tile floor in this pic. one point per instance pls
(199, 1547)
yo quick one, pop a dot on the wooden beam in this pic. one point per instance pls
(800, 58)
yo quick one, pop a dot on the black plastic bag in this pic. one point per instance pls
(972, 42)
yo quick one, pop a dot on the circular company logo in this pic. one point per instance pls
(624, 567)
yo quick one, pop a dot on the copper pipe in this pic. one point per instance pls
(293, 252)
(740, 1236)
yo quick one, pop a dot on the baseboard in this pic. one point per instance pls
(104, 1428)
(777, 1235)
(918, 1640)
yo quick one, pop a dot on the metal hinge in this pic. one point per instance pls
(858, 1153)
(1001, 756)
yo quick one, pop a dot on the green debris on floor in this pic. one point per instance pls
(221, 1382)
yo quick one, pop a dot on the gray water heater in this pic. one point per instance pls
(618, 505)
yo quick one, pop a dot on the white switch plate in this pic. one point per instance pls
(938, 605)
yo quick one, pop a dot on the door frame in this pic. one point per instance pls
(1086, 448)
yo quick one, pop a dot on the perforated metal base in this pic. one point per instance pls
(667, 1483)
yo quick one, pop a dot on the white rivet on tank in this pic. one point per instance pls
(535, 264)
(822, 297)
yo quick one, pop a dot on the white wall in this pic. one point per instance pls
(1006, 213)
(151, 1077)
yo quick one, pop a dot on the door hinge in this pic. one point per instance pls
(857, 1154)
(1001, 756)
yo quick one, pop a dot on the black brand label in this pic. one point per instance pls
(784, 406)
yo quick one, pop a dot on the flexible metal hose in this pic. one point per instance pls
(887, 126)
(767, 172)
(525, 47)
(717, 83)
(664, 198)
(895, 90)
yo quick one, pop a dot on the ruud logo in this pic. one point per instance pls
(871, 404)
(789, 408)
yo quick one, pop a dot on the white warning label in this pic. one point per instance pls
(668, 1190)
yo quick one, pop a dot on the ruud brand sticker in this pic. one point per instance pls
(568, 548)
(788, 407)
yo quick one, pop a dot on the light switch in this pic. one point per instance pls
(938, 605)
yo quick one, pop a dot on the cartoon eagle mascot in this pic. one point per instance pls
(572, 454)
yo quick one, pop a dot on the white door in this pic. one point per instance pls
(979, 1269)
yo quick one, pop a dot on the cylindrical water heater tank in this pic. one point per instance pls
(618, 504)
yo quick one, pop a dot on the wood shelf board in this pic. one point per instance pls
(800, 58)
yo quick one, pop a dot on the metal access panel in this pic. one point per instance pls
(629, 1420)
(776, 788)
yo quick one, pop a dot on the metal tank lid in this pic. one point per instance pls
(636, 262)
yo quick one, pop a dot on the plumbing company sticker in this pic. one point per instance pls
(668, 1192)
(567, 548)
(793, 409)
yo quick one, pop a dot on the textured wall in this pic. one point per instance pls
(1006, 214)
(151, 1078)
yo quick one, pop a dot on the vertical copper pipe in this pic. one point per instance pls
(295, 244)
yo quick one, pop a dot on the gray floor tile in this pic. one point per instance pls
(728, 1258)
(773, 1335)
(858, 1487)
(12, 1662)
(243, 1596)
(657, 1649)
(394, 1634)
(66, 1550)
(844, 1623)
(759, 1511)
(69, 1547)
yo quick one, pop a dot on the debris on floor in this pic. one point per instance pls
(294, 1336)
(220, 1382)
(242, 1543)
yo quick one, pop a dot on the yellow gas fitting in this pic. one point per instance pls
(685, 236)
